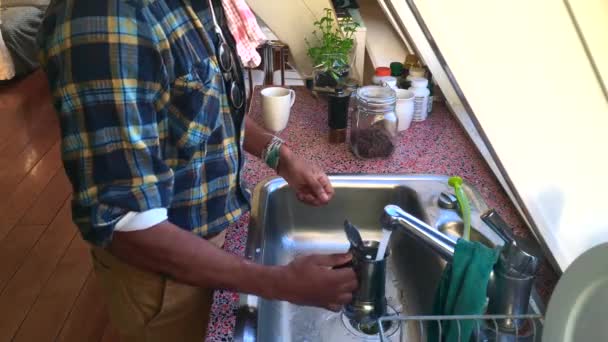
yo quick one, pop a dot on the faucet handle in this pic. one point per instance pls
(519, 256)
(447, 201)
(498, 225)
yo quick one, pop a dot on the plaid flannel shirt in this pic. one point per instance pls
(144, 115)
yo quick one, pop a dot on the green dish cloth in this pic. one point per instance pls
(462, 289)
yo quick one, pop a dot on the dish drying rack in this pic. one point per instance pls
(485, 328)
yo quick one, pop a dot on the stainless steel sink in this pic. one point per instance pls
(281, 228)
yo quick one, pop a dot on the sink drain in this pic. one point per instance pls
(372, 328)
(365, 331)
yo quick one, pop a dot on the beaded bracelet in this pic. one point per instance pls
(271, 155)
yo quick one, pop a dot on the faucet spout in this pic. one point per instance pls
(394, 217)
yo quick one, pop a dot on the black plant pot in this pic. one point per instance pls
(325, 81)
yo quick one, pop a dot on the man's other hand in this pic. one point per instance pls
(309, 182)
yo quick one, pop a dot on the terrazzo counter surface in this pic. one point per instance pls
(435, 146)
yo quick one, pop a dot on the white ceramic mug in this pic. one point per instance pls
(405, 109)
(276, 107)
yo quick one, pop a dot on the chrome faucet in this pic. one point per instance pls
(513, 276)
(394, 217)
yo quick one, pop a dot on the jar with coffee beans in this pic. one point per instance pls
(373, 130)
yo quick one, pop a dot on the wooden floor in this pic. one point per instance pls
(48, 291)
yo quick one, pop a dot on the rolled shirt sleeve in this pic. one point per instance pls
(107, 79)
(133, 221)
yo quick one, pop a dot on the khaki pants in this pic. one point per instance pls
(149, 307)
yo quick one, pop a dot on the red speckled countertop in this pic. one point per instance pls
(436, 146)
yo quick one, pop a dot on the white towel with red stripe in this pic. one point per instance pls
(245, 30)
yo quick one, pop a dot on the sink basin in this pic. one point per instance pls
(282, 227)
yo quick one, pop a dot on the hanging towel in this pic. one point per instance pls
(245, 30)
(462, 289)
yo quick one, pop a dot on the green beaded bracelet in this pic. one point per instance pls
(271, 155)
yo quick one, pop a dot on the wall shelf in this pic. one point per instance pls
(383, 44)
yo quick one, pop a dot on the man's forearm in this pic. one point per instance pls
(169, 250)
(256, 137)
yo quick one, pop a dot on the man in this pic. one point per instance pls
(153, 124)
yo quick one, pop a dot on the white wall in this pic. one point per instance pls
(525, 74)
(592, 18)
(384, 45)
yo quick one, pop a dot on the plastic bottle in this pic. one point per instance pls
(413, 72)
(431, 95)
(431, 87)
(383, 76)
(421, 97)
(397, 72)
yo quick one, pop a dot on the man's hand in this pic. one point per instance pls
(310, 280)
(308, 181)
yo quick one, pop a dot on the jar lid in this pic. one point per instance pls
(419, 82)
(396, 69)
(411, 60)
(376, 98)
(383, 71)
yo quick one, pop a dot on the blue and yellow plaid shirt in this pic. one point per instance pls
(145, 119)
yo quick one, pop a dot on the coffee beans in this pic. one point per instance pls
(373, 142)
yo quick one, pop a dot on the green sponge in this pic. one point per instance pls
(463, 203)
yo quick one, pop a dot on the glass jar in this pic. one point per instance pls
(373, 130)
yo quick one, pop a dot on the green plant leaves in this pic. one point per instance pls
(333, 44)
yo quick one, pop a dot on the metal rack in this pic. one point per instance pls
(486, 326)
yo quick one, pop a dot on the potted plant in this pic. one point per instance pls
(331, 50)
